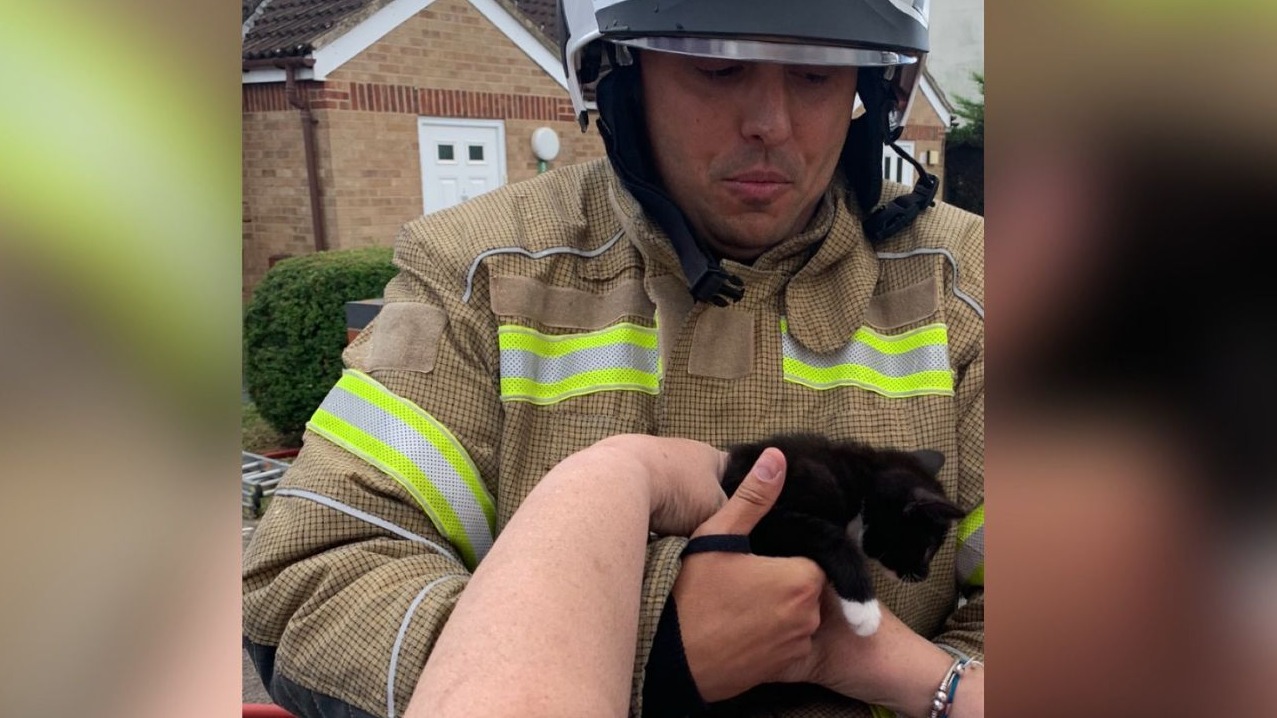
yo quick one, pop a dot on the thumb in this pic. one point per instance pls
(753, 498)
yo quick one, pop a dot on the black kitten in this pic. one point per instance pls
(844, 501)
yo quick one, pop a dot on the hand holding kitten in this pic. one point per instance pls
(746, 619)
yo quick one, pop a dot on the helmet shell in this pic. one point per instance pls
(862, 33)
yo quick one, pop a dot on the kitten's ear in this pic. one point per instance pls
(932, 505)
(931, 460)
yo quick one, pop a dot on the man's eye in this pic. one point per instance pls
(720, 72)
(814, 78)
(811, 74)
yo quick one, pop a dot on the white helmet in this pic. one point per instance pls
(860, 33)
(886, 39)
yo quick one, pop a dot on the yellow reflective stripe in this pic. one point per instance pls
(431, 430)
(513, 336)
(970, 558)
(926, 382)
(968, 525)
(913, 363)
(881, 712)
(930, 335)
(976, 578)
(544, 369)
(519, 388)
(402, 470)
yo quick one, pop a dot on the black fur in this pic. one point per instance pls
(828, 484)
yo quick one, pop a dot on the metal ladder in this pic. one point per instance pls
(260, 477)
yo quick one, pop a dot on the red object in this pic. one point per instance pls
(265, 710)
(281, 454)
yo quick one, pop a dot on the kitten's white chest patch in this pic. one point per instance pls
(856, 531)
(863, 617)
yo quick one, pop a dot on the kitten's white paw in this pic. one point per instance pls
(863, 617)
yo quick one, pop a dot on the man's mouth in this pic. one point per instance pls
(760, 176)
(757, 186)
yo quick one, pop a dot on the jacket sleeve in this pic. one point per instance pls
(663, 685)
(964, 629)
(353, 571)
(349, 579)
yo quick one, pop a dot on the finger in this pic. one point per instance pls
(752, 499)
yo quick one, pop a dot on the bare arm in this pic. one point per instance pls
(894, 668)
(546, 624)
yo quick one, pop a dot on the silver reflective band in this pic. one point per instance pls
(971, 302)
(425, 456)
(368, 518)
(516, 363)
(755, 51)
(933, 357)
(586, 253)
(392, 672)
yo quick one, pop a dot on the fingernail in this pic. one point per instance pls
(767, 468)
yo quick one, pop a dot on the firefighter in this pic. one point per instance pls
(736, 267)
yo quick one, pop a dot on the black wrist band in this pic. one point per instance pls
(732, 543)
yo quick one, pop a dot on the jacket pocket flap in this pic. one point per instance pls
(899, 307)
(568, 308)
(406, 336)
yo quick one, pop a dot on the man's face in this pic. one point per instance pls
(746, 149)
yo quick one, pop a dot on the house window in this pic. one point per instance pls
(895, 167)
(476, 153)
(446, 153)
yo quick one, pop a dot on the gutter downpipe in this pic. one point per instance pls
(301, 100)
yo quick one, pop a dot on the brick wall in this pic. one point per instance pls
(447, 61)
(927, 132)
(375, 182)
(449, 46)
(276, 198)
(574, 146)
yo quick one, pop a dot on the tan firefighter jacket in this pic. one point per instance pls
(546, 315)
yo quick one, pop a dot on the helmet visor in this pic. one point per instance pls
(760, 51)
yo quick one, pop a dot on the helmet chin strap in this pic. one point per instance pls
(624, 134)
(865, 139)
(903, 210)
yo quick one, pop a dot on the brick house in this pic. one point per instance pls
(360, 115)
(929, 118)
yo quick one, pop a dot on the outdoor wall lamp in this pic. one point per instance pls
(545, 145)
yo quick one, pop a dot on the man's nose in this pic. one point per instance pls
(766, 108)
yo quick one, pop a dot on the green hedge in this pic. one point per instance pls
(295, 329)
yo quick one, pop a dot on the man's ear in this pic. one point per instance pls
(931, 461)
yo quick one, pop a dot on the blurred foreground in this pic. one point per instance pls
(1133, 556)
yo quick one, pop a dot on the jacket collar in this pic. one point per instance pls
(646, 236)
(826, 300)
(826, 273)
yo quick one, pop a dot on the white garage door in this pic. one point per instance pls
(460, 160)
